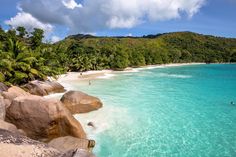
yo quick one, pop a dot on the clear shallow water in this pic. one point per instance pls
(175, 111)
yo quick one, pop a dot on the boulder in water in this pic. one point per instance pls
(79, 102)
(91, 124)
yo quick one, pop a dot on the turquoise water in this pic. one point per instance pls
(176, 111)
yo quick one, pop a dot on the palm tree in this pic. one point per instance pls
(17, 63)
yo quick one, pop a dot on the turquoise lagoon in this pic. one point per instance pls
(183, 111)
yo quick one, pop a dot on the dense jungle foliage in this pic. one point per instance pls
(24, 57)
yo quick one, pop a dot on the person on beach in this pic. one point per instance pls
(90, 82)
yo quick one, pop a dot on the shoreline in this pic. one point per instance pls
(97, 117)
(102, 74)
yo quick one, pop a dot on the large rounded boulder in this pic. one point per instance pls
(43, 88)
(43, 119)
(79, 102)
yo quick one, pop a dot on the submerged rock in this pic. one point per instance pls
(43, 119)
(68, 143)
(43, 88)
(79, 102)
(91, 124)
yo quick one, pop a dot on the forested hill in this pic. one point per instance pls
(161, 48)
(23, 56)
(120, 52)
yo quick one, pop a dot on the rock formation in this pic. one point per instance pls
(79, 102)
(10, 127)
(43, 119)
(14, 145)
(78, 153)
(14, 92)
(70, 143)
(43, 88)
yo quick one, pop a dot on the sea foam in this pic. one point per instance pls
(103, 119)
(174, 75)
(106, 76)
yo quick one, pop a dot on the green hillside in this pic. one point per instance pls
(180, 47)
(23, 56)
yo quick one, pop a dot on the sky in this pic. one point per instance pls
(60, 18)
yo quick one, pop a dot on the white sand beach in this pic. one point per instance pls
(103, 74)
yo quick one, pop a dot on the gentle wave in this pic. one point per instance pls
(106, 76)
(157, 113)
(155, 67)
(131, 70)
(103, 119)
(174, 75)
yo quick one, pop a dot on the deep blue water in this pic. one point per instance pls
(175, 111)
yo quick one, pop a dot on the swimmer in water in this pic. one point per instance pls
(232, 103)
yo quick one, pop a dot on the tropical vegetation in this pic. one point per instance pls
(24, 56)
